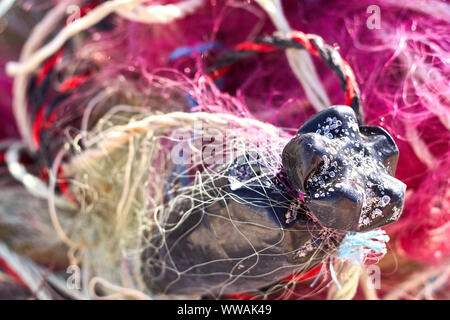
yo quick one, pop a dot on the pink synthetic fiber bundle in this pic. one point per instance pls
(7, 127)
(402, 70)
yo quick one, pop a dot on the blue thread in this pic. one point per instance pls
(356, 246)
(190, 50)
(207, 46)
(180, 52)
(192, 103)
(333, 274)
(317, 277)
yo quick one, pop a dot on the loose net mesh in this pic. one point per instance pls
(139, 166)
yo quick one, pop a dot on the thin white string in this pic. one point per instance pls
(116, 136)
(5, 6)
(161, 13)
(127, 8)
(33, 184)
(299, 60)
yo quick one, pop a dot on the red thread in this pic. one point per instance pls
(241, 296)
(303, 39)
(251, 46)
(293, 277)
(304, 276)
(62, 183)
(37, 125)
(43, 174)
(73, 82)
(350, 78)
(11, 272)
(218, 73)
(48, 65)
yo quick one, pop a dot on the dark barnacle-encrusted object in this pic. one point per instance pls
(346, 171)
(251, 228)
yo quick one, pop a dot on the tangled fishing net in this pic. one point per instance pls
(140, 122)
